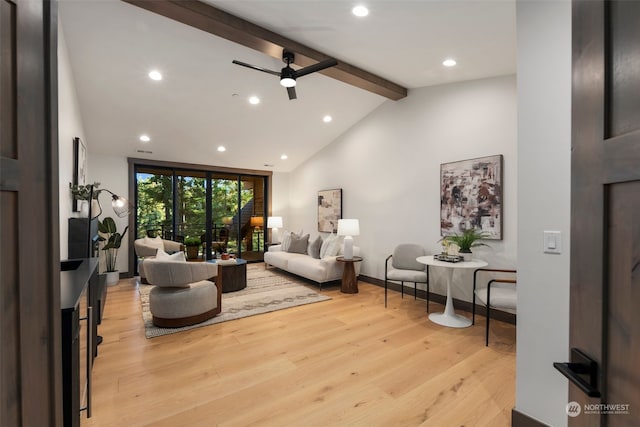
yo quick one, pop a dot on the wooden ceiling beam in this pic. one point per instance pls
(222, 24)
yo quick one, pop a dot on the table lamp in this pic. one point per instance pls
(274, 222)
(348, 228)
(256, 222)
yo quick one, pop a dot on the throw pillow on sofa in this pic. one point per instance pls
(176, 257)
(314, 248)
(286, 239)
(330, 246)
(298, 245)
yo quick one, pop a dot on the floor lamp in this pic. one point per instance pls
(120, 205)
(257, 222)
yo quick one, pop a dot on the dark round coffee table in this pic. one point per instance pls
(233, 275)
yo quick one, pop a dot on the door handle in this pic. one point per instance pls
(581, 371)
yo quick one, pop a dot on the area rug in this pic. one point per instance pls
(266, 291)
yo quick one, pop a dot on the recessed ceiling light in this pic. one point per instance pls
(145, 138)
(155, 75)
(327, 118)
(221, 148)
(360, 11)
(284, 157)
(449, 62)
(254, 100)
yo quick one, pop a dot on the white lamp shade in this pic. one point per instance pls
(348, 227)
(274, 222)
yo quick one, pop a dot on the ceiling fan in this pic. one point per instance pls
(288, 75)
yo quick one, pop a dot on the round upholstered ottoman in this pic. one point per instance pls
(173, 307)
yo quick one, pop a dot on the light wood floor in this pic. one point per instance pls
(344, 362)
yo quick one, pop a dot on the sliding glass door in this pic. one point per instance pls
(224, 210)
(219, 212)
(190, 208)
(154, 203)
(254, 222)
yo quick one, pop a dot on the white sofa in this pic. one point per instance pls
(322, 270)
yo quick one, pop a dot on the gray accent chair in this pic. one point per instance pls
(144, 250)
(184, 293)
(503, 297)
(405, 268)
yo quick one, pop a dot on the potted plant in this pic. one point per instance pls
(109, 234)
(467, 240)
(193, 246)
(82, 193)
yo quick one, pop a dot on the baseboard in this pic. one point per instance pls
(518, 419)
(502, 316)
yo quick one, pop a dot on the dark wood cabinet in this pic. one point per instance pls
(78, 277)
(83, 243)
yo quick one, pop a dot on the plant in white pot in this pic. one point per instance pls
(108, 233)
(82, 193)
(467, 240)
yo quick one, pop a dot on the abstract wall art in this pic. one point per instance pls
(329, 210)
(79, 167)
(471, 196)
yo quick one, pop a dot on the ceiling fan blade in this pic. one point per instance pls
(264, 70)
(292, 93)
(327, 63)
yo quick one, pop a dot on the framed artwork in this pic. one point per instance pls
(79, 167)
(471, 196)
(329, 210)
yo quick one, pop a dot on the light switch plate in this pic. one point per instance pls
(552, 242)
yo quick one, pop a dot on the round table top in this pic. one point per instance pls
(354, 259)
(238, 261)
(474, 263)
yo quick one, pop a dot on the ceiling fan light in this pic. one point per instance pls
(360, 11)
(288, 82)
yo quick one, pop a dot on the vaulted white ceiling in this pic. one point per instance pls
(201, 103)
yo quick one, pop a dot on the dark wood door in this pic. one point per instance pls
(605, 206)
(30, 380)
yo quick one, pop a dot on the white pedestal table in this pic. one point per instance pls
(449, 317)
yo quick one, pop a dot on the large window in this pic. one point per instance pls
(154, 201)
(221, 211)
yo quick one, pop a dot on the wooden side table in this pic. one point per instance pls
(349, 278)
(233, 275)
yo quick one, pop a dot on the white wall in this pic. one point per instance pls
(69, 127)
(279, 200)
(112, 174)
(280, 194)
(544, 148)
(388, 166)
